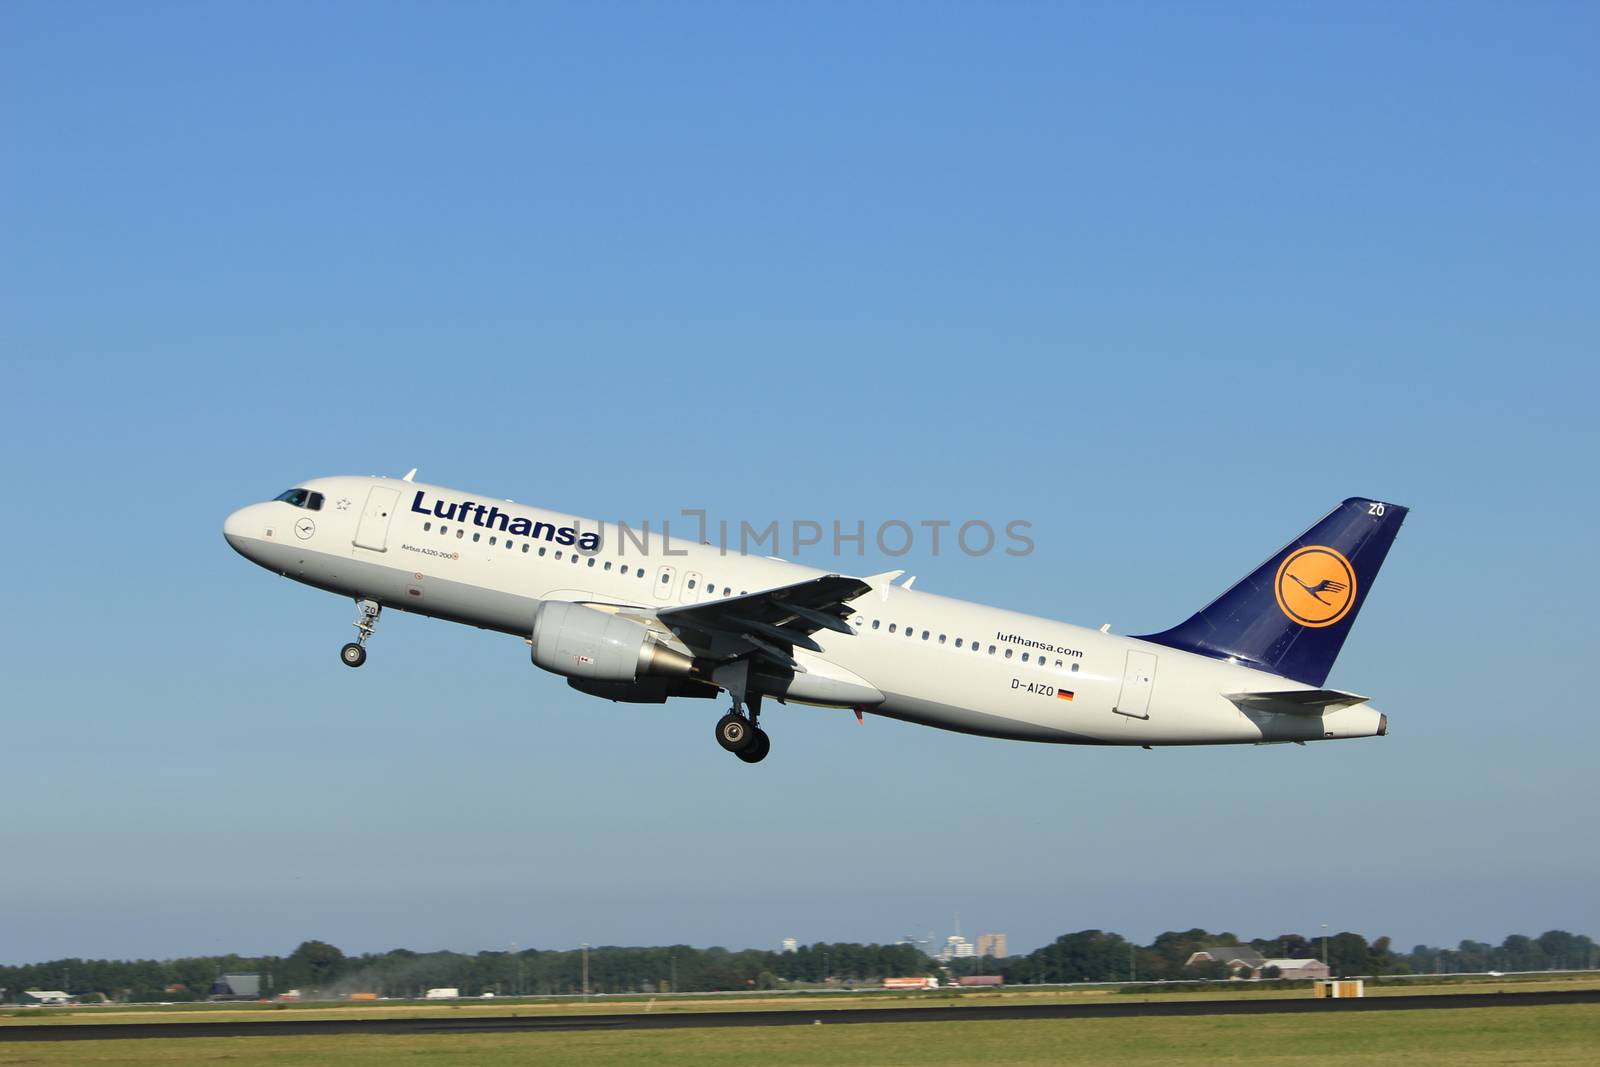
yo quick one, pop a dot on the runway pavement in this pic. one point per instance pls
(1100, 1009)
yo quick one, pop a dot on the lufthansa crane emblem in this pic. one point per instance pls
(304, 529)
(1316, 586)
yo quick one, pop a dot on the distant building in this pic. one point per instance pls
(1236, 957)
(1297, 968)
(45, 997)
(957, 947)
(791, 945)
(919, 943)
(1240, 958)
(236, 987)
(992, 945)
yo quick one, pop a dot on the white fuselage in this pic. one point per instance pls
(936, 660)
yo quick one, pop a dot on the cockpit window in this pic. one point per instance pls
(301, 498)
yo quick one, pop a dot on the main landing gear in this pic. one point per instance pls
(355, 653)
(737, 732)
(740, 735)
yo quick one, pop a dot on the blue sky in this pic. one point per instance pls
(1166, 281)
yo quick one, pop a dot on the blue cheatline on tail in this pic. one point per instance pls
(1291, 615)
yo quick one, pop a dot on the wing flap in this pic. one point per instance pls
(771, 622)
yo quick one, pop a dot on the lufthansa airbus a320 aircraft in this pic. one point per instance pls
(641, 621)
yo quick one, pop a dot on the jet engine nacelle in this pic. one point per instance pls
(579, 642)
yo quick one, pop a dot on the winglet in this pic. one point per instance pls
(411, 475)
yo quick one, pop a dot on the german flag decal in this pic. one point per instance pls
(1063, 694)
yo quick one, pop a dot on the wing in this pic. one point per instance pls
(1296, 701)
(770, 623)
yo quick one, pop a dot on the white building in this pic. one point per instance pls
(1297, 968)
(791, 945)
(957, 947)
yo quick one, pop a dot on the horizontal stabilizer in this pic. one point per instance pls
(1296, 701)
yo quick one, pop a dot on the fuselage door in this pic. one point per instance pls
(373, 531)
(1138, 678)
(665, 576)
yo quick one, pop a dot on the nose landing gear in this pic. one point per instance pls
(354, 654)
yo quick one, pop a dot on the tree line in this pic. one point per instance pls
(319, 969)
(1098, 956)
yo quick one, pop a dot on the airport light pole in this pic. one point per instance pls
(586, 971)
(1325, 947)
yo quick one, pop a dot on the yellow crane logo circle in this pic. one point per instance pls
(1316, 586)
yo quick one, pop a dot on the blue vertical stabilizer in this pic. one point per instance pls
(1291, 615)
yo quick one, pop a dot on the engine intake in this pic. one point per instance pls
(580, 642)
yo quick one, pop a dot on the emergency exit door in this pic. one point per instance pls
(1138, 678)
(373, 530)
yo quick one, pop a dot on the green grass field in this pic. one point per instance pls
(1466, 1036)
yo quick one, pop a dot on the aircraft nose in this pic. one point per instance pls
(237, 527)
